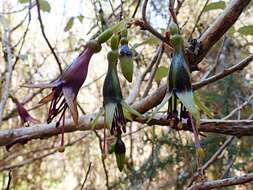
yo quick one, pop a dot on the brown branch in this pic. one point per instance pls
(45, 37)
(222, 182)
(86, 176)
(146, 26)
(28, 161)
(220, 26)
(211, 160)
(237, 67)
(9, 68)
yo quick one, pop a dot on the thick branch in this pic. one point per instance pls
(222, 182)
(220, 26)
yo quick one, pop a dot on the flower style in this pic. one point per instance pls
(23, 113)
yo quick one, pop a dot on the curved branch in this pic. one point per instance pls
(222, 182)
(220, 26)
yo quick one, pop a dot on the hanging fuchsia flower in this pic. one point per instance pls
(23, 113)
(66, 87)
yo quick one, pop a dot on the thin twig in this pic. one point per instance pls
(9, 67)
(222, 182)
(86, 176)
(211, 160)
(198, 18)
(136, 8)
(46, 39)
(153, 72)
(238, 108)
(148, 27)
(9, 181)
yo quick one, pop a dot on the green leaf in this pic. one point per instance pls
(80, 18)
(23, 1)
(69, 24)
(201, 105)
(44, 6)
(231, 31)
(149, 41)
(161, 72)
(215, 5)
(246, 30)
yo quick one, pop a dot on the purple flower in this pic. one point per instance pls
(66, 87)
(23, 113)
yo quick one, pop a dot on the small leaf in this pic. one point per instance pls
(161, 72)
(215, 5)
(246, 30)
(23, 1)
(149, 41)
(44, 6)
(201, 105)
(231, 31)
(80, 18)
(69, 24)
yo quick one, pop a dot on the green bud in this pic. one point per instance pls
(127, 67)
(174, 28)
(112, 56)
(104, 36)
(124, 33)
(176, 40)
(120, 158)
(120, 151)
(115, 42)
(111, 149)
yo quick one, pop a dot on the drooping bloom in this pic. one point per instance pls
(67, 86)
(114, 106)
(179, 88)
(23, 114)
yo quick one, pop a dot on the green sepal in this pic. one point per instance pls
(127, 67)
(109, 113)
(111, 149)
(95, 121)
(163, 102)
(199, 103)
(186, 97)
(130, 109)
(127, 115)
(173, 28)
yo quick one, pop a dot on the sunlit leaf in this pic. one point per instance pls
(23, 1)
(44, 6)
(69, 24)
(161, 72)
(215, 5)
(80, 18)
(246, 30)
(201, 105)
(149, 41)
